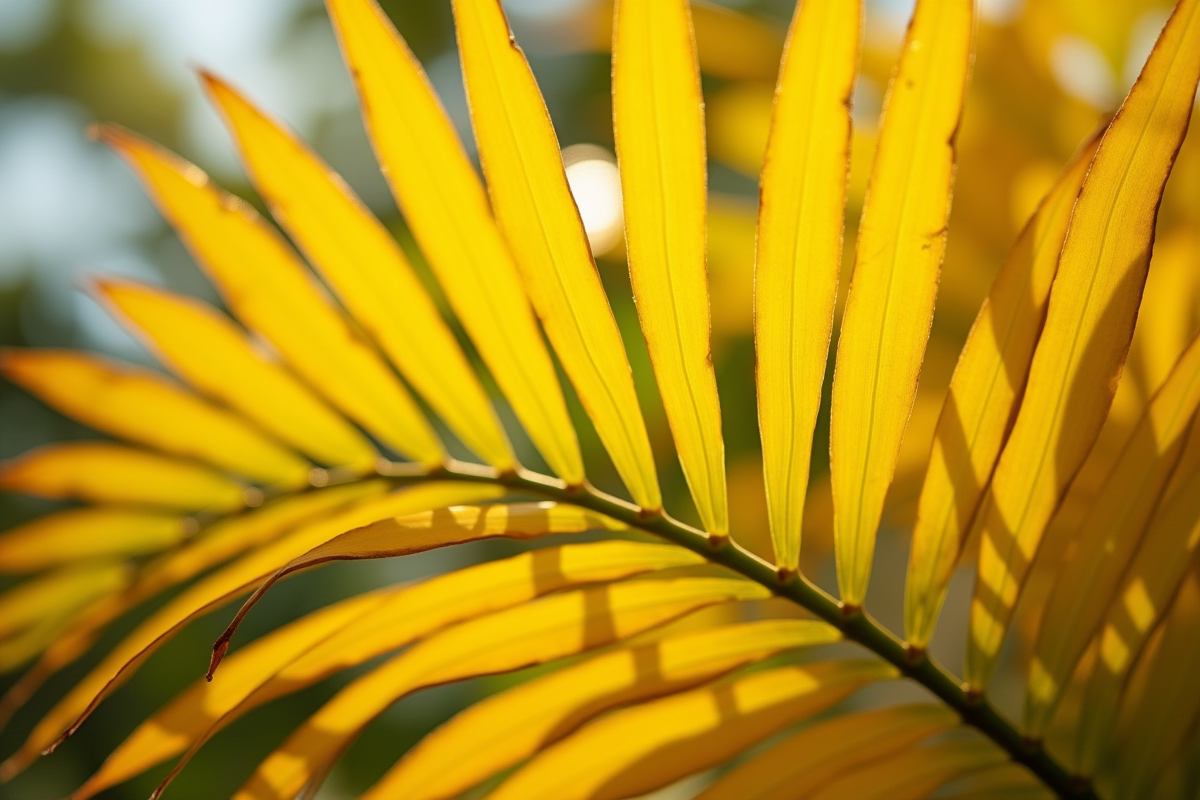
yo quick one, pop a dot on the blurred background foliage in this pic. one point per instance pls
(1047, 72)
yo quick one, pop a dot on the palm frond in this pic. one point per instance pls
(301, 437)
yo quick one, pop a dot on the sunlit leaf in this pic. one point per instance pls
(427, 530)
(503, 730)
(354, 631)
(214, 591)
(210, 352)
(220, 542)
(819, 754)
(912, 774)
(1108, 537)
(1151, 579)
(1157, 720)
(889, 308)
(533, 633)
(537, 215)
(365, 266)
(54, 593)
(139, 405)
(445, 205)
(984, 395)
(277, 297)
(800, 250)
(81, 533)
(658, 120)
(1089, 323)
(684, 733)
(101, 472)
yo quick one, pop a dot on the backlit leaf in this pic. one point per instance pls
(658, 120)
(984, 394)
(213, 354)
(81, 533)
(52, 594)
(1089, 324)
(913, 774)
(354, 631)
(889, 308)
(445, 206)
(140, 405)
(268, 288)
(214, 591)
(529, 634)
(217, 544)
(1150, 581)
(800, 251)
(503, 730)
(654, 744)
(537, 215)
(362, 263)
(101, 472)
(1157, 720)
(427, 530)
(1109, 536)
(827, 750)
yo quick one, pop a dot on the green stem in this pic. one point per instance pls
(854, 623)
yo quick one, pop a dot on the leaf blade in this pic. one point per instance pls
(210, 593)
(537, 216)
(507, 728)
(799, 251)
(354, 631)
(366, 268)
(658, 121)
(1109, 536)
(984, 394)
(697, 729)
(1089, 323)
(533, 633)
(445, 204)
(224, 234)
(100, 472)
(210, 352)
(889, 306)
(818, 754)
(139, 405)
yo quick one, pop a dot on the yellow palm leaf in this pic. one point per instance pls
(214, 591)
(529, 634)
(1157, 719)
(504, 730)
(101, 472)
(82, 533)
(209, 351)
(984, 394)
(1089, 324)
(365, 266)
(53, 593)
(427, 530)
(819, 754)
(1109, 535)
(889, 307)
(141, 406)
(354, 631)
(278, 298)
(658, 119)
(1150, 581)
(535, 211)
(913, 774)
(686, 733)
(217, 544)
(445, 205)
(800, 251)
